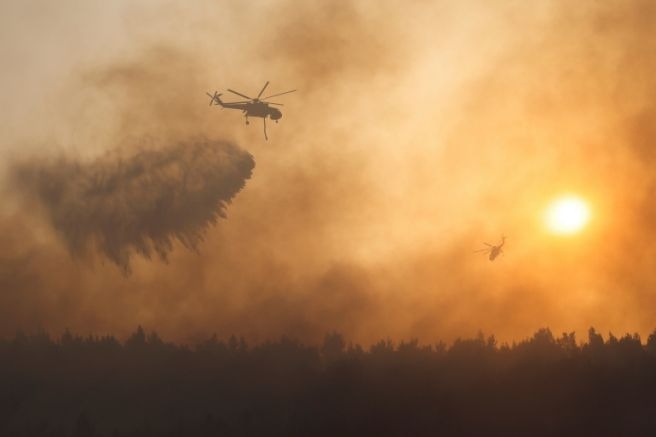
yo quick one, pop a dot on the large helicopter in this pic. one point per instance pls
(493, 250)
(253, 107)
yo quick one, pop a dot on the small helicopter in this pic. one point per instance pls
(493, 250)
(253, 107)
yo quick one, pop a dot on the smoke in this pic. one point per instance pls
(420, 130)
(141, 203)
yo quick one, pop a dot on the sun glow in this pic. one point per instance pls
(567, 215)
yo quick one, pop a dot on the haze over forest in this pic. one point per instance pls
(419, 130)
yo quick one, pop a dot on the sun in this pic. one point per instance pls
(567, 215)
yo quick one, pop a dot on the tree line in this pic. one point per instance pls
(97, 386)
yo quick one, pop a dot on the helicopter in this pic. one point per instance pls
(253, 107)
(493, 250)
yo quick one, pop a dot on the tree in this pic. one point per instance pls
(595, 340)
(137, 340)
(333, 346)
(650, 347)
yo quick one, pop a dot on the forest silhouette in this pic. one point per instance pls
(545, 385)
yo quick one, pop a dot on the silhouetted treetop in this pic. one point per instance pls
(145, 386)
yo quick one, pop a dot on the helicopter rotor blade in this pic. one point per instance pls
(279, 94)
(487, 244)
(263, 88)
(240, 94)
(213, 97)
(272, 103)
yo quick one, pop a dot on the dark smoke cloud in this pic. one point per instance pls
(139, 204)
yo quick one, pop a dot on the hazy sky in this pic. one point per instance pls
(420, 130)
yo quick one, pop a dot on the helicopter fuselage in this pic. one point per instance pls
(256, 109)
(495, 251)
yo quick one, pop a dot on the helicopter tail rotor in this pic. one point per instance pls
(214, 98)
